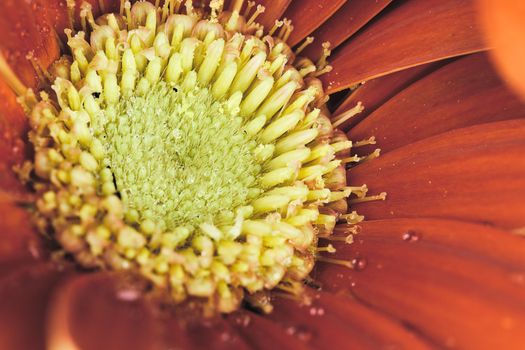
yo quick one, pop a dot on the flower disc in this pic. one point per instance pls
(192, 149)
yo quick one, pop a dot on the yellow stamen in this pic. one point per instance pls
(344, 117)
(278, 24)
(329, 249)
(306, 42)
(340, 262)
(370, 141)
(259, 10)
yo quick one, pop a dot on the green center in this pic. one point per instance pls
(179, 157)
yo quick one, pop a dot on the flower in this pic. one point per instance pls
(438, 264)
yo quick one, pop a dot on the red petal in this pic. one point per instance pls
(33, 27)
(473, 174)
(12, 118)
(505, 28)
(23, 29)
(24, 295)
(344, 23)
(184, 329)
(56, 13)
(101, 311)
(18, 240)
(463, 93)
(13, 130)
(459, 284)
(412, 33)
(307, 15)
(19, 243)
(263, 333)
(110, 311)
(274, 11)
(335, 322)
(175, 337)
(377, 91)
(216, 333)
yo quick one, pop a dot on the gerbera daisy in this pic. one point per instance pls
(172, 171)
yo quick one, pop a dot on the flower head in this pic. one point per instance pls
(183, 158)
(189, 148)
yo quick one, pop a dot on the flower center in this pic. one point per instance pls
(189, 147)
(178, 157)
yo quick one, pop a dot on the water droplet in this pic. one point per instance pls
(450, 342)
(392, 347)
(410, 236)
(518, 278)
(34, 249)
(304, 335)
(359, 264)
(128, 294)
(225, 337)
(208, 323)
(300, 333)
(507, 323)
(242, 319)
(316, 311)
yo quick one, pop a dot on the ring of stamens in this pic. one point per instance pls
(190, 148)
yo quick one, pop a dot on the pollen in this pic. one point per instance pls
(178, 155)
(191, 147)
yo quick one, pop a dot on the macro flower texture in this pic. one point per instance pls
(289, 174)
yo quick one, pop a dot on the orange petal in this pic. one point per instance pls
(474, 174)
(504, 26)
(335, 321)
(101, 311)
(23, 30)
(377, 91)
(343, 24)
(459, 284)
(307, 15)
(24, 295)
(410, 34)
(463, 93)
